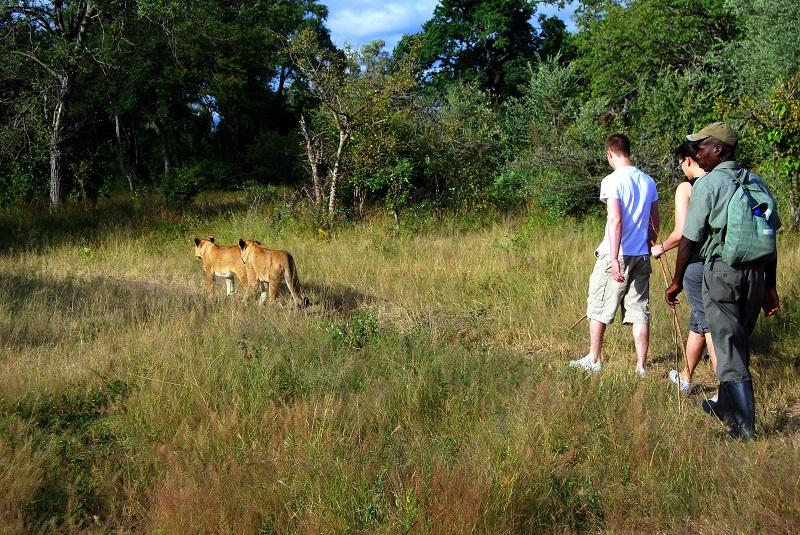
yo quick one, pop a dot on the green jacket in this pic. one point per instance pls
(707, 218)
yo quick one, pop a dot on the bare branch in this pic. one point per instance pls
(31, 56)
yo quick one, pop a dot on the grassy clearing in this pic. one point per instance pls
(425, 391)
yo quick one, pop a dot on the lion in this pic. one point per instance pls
(225, 262)
(267, 267)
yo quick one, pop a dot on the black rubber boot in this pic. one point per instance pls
(721, 408)
(740, 396)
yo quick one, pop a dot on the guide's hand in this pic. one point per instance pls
(671, 294)
(771, 304)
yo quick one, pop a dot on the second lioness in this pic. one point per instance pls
(269, 267)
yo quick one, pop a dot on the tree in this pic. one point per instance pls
(550, 162)
(353, 89)
(623, 46)
(779, 123)
(766, 50)
(198, 91)
(52, 36)
(461, 144)
(486, 42)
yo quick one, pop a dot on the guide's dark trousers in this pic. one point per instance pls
(732, 298)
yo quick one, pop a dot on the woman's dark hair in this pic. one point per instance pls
(687, 149)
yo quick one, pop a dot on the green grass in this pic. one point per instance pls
(424, 391)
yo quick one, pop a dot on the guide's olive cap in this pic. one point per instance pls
(720, 131)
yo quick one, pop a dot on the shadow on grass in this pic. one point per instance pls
(43, 312)
(336, 297)
(76, 420)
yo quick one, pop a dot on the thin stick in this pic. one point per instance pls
(577, 322)
(674, 312)
(675, 323)
(678, 335)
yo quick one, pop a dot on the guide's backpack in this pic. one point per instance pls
(752, 222)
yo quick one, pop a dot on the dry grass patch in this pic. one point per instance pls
(424, 391)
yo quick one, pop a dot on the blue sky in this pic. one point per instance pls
(357, 22)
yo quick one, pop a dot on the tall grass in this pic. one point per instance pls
(424, 391)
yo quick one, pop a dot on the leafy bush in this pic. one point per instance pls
(361, 327)
(779, 119)
(556, 192)
(181, 185)
(460, 149)
(392, 183)
(26, 181)
(544, 110)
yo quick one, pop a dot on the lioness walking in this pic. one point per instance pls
(267, 267)
(224, 262)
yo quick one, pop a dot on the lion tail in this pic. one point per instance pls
(294, 284)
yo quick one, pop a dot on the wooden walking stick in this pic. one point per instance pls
(678, 334)
(675, 323)
(577, 322)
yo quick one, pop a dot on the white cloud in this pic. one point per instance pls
(359, 21)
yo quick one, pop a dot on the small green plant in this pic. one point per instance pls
(361, 327)
(86, 252)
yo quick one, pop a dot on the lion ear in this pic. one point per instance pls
(257, 242)
(242, 244)
(197, 241)
(211, 239)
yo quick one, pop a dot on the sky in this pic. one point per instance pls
(357, 22)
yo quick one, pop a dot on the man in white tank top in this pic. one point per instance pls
(621, 275)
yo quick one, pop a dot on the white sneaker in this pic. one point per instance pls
(675, 377)
(641, 372)
(587, 364)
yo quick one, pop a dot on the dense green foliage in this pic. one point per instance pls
(490, 103)
(487, 42)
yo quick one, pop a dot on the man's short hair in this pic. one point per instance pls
(619, 144)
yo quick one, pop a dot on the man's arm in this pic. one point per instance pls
(614, 225)
(684, 255)
(655, 225)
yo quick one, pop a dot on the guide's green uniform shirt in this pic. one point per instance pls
(707, 216)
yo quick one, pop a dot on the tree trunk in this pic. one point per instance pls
(56, 136)
(282, 79)
(56, 171)
(360, 199)
(344, 135)
(312, 153)
(123, 166)
(162, 136)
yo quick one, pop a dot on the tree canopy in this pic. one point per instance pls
(490, 103)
